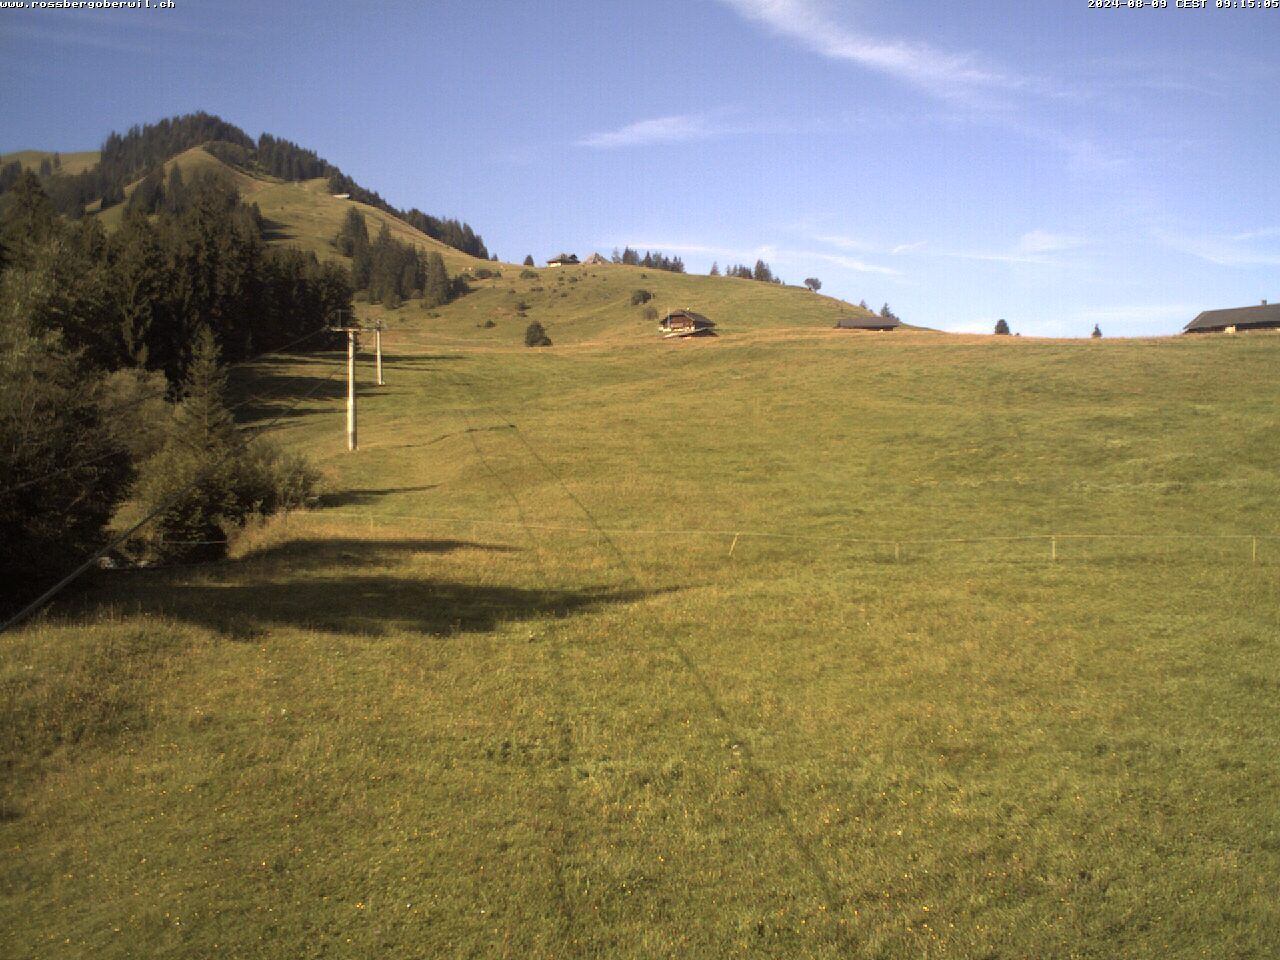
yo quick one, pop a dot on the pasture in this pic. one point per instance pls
(627, 648)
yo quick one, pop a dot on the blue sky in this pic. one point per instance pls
(1045, 162)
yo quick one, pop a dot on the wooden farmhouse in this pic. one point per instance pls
(563, 260)
(1263, 317)
(868, 323)
(686, 323)
(595, 258)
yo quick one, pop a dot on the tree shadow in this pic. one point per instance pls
(415, 359)
(275, 230)
(364, 498)
(341, 551)
(338, 586)
(274, 394)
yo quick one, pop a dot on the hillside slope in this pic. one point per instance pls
(302, 214)
(592, 304)
(611, 652)
(77, 162)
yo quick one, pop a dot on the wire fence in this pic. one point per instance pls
(1243, 547)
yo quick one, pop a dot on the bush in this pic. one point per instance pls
(640, 296)
(206, 479)
(485, 273)
(536, 336)
(528, 274)
(489, 324)
(650, 313)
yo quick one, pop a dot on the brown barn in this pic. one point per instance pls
(563, 260)
(1263, 317)
(686, 323)
(868, 323)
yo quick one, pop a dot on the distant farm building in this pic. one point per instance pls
(868, 323)
(594, 259)
(686, 323)
(1266, 316)
(563, 260)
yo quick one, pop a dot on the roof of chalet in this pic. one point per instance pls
(697, 318)
(564, 258)
(868, 323)
(1265, 314)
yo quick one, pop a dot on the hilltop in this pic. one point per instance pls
(579, 303)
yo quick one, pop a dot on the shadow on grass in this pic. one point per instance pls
(340, 551)
(340, 586)
(364, 498)
(275, 230)
(370, 605)
(417, 359)
(269, 395)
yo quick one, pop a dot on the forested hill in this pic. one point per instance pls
(126, 158)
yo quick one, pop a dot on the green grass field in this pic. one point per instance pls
(71, 162)
(514, 690)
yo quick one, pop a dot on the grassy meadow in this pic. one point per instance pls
(633, 648)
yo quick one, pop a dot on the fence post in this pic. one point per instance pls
(1053, 548)
(1255, 549)
(734, 544)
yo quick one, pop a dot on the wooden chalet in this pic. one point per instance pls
(564, 260)
(595, 258)
(1266, 316)
(686, 323)
(868, 323)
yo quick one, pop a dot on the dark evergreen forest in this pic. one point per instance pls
(144, 149)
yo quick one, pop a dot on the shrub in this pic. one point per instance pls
(536, 336)
(650, 313)
(206, 479)
(485, 273)
(528, 274)
(489, 324)
(640, 296)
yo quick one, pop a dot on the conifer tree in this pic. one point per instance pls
(715, 269)
(435, 290)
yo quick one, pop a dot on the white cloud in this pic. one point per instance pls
(943, 74)
(1041, 241)
(908, 247)
(1238, 250)
(850, 263)
(657, 130)
(969, 326)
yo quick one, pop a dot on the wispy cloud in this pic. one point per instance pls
(1041, 241)
(1034, 247)
(953, 76)
(768, 253)
(1234, 250)
(643, 133)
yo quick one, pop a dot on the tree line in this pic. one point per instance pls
(388, 271)
(145, 148)
(103, 343)
(652, 259)
(761, 272)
